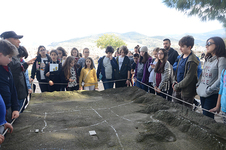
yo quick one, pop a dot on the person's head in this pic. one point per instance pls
(86, 52)
(7, 51)
(129, 54)
(123, 50)
(166, 44)
(69, 62)
(144, 56)
(186, 44)
(203, 55)
(54, 55)
(155, 52)
(162, 59)
(89, 63)
(109, 51)
(22, 52)
(41, 51)
(12, 37)
(215, 46)
(137, 49)
(135, 58)
(61, 52)
(74, 52)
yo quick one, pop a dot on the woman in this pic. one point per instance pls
(209, 82)
(163, 74)
(142, 74)
(38, 68)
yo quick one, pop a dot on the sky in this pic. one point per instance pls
(46, 21)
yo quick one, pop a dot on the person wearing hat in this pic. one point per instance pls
(16, 67)
(141, 71)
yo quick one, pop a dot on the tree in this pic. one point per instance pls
(204, 9)
(109, 40)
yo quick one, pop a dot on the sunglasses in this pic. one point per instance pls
(209, 43)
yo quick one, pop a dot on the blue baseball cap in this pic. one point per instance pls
(10, 34)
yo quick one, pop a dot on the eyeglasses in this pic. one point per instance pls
(160, 53)
(209, 43)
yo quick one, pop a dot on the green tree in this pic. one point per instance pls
(204, 9)
(109, 40)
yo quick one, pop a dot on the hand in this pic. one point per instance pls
(80, 88)
(2, 138)
(64, 58)
(31, 61)
(29, 91)
(96, 88)
(71, 80)
(15, 114)
(31, 80)
(8, 125)
(47, 74)
(111, 57)
(174, 84)
(128, 82)
(215, 109)
(152, 66)
(135, 79)
(51, 83)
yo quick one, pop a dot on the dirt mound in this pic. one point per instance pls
(123, 118)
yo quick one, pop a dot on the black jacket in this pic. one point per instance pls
(64, 80)
(172, 56)
(18, 70)
(55, 75)
(36, 67)
(126, 66)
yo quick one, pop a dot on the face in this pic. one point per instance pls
(210, 46)
(135, 59)
(166, 45)
(42, 51)
(5, 60)
(136, 51)
(109, 54)
(88, 62)
(155, 54)
(86, 53)
(142, 53)
(72, 63)
(160, 55)
(122, 53)
(184, 49)
(15, 42)
(53, 56)
(74, 53)
(60, 53)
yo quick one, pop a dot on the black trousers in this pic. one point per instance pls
(119, 84)
(75, 88)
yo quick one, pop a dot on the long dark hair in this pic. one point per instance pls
(76, 50)
(159, 68)
(144, 59)
(220, 50)
(64, 53)
(91, 66)
(66, 67)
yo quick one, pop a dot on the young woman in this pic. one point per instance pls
(38, 68)
(163, 74)
(69, 75)
(75, 53)
(106, 66)
(62, 54)
(137, 49)
(141, 72)
(209, 83)
(151, 69)
(52, 72)
(124, 68)
(88, 75)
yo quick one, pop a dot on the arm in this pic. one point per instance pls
(98, 68)
(189, 76)
(46, 71)
(175, 63)
(81, 77)
(215, 86)
(33, 70)
(114, 63)
(27, 80)
(95, 78)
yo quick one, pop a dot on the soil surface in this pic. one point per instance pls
(122, 118)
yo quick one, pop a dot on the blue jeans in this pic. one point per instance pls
(108, 84)
(140, 85)
(209, 103)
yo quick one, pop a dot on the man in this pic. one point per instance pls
(17, 68)
(172, 54)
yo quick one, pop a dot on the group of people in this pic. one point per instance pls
(164, 73)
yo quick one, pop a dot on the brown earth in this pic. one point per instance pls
(123, 118)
